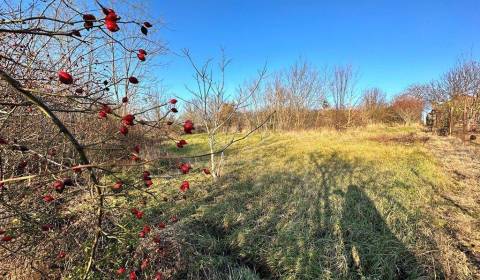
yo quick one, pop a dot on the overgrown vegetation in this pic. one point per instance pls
(320, 205)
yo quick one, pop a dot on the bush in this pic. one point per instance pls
(74, 141)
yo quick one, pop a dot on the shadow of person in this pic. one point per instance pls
(372, 250)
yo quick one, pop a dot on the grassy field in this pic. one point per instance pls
(316, 205)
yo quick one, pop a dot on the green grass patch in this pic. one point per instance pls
(309, 205)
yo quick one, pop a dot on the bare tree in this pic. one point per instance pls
(342, 91)
(455, 96)
(296, 94)
(374, 104)
(215, 108)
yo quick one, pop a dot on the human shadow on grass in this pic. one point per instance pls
(371, 249)
(299, 224)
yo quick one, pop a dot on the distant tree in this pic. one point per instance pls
(374, 105)
(462, 84)
(455, 96)
(408, 108)
(342, 91)
(294, 94)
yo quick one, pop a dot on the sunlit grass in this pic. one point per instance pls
(310, 205)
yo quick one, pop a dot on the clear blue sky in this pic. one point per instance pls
(393, 43)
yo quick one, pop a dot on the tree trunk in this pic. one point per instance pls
(450, 121)
(465, 120)
(212, 158)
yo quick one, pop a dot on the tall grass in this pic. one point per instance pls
(313, 205)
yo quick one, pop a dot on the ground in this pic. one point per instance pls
(372, 203)
(457, 206)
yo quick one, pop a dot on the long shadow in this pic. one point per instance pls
(308, 223)
(370, 247)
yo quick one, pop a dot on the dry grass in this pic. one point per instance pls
(457, 207)
(328, 205)
(407, 139)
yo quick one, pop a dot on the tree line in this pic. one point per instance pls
(306, 97)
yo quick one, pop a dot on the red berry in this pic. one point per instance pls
(89, 17)
(117, 186)
(142, 51)
(181, 143)
(185, 168)
(121, 270)
(184, 186)
(148, 183)
(58, 186)
(106, 109)
(161, 225)
(188, 127)
(142, 234)
(111, 21)
(174, 110)
(123, 130)
(111, 16)
(147, 24)
(141, 56)
(174, 219)
(102, 114)
(147, 228)
(125, 99)
(65, 78)
(112, 26)
(133, 80)
(128, 119)
(139, 214)
(146, 175)
(172, 101)
(48, 198)
(206, 171)
(88, 25)
(136, 149)
(7, 238)
(132, 275)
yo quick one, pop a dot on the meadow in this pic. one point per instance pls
(361, 204)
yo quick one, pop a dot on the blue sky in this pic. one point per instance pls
(392, 43)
